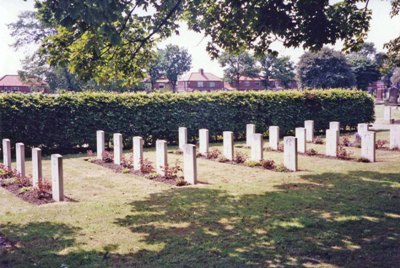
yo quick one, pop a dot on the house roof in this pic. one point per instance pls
(201, 76)
(12, 80)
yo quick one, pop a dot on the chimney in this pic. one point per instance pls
(201, 71)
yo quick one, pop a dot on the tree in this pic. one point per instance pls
(365, 70)
(280, 68)
(325, 69)
(113, 39)
(174, 61)
(154, 69)
(237, 65)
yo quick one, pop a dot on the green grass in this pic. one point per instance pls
(332, 213)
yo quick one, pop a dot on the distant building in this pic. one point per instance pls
(161, 84)
(13, 83)
(200, 81)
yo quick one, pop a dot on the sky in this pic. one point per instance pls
(383, 29)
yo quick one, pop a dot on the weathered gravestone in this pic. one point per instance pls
(290, 153)
(190, 164)
(300, 133)
(309, 126)
(250, 130)
(274, 137)
(257, 147)
(161, 156)
(57, 178)
(228, 145)
(204, 139)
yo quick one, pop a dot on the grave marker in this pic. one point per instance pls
(203, 141)
(20, 159)
(37, 173)
(7, 153)
(100, 144)
(137, 153)
(274, 137)
(190, 165)
(309, 126)
(228, 145)
(57, 178)
(257, 148)
(118, 147)
(250, 130)
(290, 153)
(301, 139)
(161, 156)
(368, 149)
(332, 141)
(182, 137)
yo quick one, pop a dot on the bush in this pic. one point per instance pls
(380, 144)
(213, 153)
(240, 157)
(252, 164)
(68, 122)
(311, 152)
(268, 164)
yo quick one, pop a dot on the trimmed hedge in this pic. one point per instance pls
(67, 121)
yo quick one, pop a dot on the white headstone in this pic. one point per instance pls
(257, 148)
(100, 144)
(394, 137)
(20, 159)
(182, 137)
(36, 166)
(368, 150)
(250, 130)
(290, 153)
(332, 141)
(301, 140)
(203, 141)
(387, 114)
(118, 147)
(309, 126)
(57, 178)
(228, 145)
(274, 137)
(137, 153)
(7, 153)
(161, 156)
(190, 165)
(335, 126)
(362, 129)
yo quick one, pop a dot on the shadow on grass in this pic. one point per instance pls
(338, 219)
(335, 219)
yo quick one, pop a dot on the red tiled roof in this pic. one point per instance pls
(14, 81)
(201, 76)
(11, 80)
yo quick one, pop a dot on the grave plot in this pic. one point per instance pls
(35, 189)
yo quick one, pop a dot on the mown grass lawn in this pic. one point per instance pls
(331, 213)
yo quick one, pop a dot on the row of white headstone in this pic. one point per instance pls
(292, 145)
(57, 178)
(189, 155)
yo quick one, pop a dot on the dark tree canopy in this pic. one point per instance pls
(325, 69)
(281, 68)
(237, 65)
(107, 40)
(365, 70)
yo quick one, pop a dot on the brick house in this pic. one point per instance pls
(200, 81)
(13, 83)
(161, 84)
